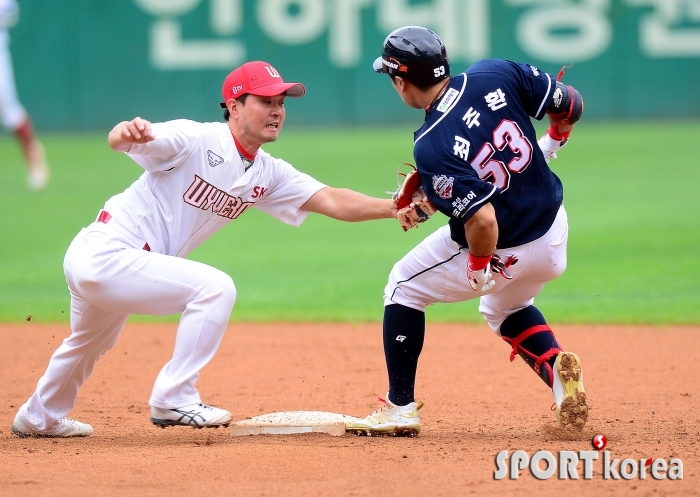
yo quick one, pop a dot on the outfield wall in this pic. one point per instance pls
(86, 64)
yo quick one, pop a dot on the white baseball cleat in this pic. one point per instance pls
(194, 415)
(390, 419)
(65, 428)
(38, 169)
(569, 394)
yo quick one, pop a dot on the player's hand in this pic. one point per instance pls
(550, 146)
(126, 133)
(479, 273)
(418, 211)
(137, 130)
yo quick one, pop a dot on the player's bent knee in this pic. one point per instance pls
(493, 317)
(225, 290)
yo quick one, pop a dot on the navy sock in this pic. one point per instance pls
(536, 344)
(404, 332)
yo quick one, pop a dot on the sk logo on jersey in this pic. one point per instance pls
(214, 160)
(258, 191)
(443, 186)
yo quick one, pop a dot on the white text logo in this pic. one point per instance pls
(566, 466)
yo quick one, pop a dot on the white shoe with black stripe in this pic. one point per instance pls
(194, 415)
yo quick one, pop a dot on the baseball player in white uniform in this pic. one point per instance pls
(198, 178)
(14, 116)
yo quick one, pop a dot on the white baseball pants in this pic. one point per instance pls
(436, 271)
(12, 113)
(110, 276)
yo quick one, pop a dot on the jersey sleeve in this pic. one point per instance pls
(290, 191)
(173, 144)
(455, 190)
(536, 87)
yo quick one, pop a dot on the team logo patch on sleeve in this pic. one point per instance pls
(214, 160)
(443, 186)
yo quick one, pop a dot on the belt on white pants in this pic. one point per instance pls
(105, 217)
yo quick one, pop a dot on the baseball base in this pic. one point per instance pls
(292, 422)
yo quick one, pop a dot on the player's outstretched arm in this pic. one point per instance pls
(349, 205)
(126, 133)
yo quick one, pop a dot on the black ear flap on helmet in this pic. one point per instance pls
(416, 54)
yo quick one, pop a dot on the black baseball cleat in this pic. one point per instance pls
(194, 415)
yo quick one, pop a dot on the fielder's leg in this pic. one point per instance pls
(94, 332)
(136, 281)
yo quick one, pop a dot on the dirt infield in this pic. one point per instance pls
(642, 384)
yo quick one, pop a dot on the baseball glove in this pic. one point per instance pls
(412, 204)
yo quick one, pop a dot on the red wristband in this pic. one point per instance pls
(478, 262)
(557, 135)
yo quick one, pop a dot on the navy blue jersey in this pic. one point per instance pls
(478, 145)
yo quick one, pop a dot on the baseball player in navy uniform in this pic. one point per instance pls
(198, 178)
(481, 165)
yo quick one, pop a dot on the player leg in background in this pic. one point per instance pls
(15, 118)
(110, 278)
(510, 313)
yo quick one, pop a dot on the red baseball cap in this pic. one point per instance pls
(258, 78)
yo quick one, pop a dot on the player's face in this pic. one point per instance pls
(261, 118)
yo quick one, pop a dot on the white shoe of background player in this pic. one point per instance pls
(38, 169)
(194, 415)
(390, 419)
(65, 428)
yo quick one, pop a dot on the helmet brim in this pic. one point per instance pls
(378, 66)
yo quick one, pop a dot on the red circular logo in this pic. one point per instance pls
(599, 442)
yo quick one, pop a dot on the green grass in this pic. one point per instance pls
(632, 192)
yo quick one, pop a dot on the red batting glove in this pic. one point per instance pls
(479, 272)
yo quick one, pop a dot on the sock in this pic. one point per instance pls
(25, 135)
(404, 331)
(537, 344)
